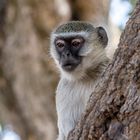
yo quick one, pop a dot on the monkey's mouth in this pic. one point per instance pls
(69, 66)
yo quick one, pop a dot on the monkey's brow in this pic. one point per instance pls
(82, 33)
(68, 37)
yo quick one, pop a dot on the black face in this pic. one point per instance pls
(68, 50)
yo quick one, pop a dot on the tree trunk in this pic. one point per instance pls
(113, 110)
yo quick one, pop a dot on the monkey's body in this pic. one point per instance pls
(72, 97)
(78, 49)
(71, 104)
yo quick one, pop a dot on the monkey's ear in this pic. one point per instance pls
(102, 36)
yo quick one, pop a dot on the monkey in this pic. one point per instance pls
(78, 49)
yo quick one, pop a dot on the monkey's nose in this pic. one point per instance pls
(66, 54)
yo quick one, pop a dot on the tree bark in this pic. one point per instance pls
(113, 110)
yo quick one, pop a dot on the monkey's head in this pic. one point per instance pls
(77, 47)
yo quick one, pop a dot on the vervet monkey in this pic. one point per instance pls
(78, 49)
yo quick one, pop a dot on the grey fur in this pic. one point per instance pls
(74, 26)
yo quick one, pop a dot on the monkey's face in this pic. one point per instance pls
(68, 49)
(76, 52)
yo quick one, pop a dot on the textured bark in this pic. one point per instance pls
(113, 110)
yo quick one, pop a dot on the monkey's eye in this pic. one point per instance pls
(76, 42)
(60, 43)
